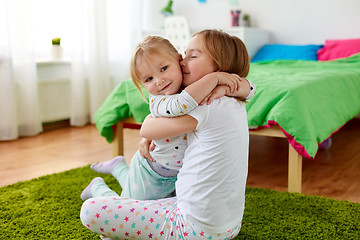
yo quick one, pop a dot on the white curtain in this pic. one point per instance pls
(91, 81)
(19, 111)
(102, 38)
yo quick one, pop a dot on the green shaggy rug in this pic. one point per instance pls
(48, 208)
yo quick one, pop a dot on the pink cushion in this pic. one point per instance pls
(334, 49)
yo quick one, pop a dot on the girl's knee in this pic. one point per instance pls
(85, 215)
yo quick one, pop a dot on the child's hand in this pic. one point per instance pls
(229, 79)
(145, 147)
(218, 92)
(225, 90)
(243, 91)
(242, 86)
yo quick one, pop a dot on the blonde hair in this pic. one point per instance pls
(228, 52)
(150, 47)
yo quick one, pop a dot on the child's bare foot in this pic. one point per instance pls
(86, 194)
(108, 166)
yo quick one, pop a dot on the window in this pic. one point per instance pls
(51, 19)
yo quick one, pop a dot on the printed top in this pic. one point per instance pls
(169, 152)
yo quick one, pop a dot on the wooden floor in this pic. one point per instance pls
(334, 173)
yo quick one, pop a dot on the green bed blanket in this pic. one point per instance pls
(309, 100)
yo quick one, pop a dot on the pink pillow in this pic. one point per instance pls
(334, 49)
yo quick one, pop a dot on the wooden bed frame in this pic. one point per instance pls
(294, 158)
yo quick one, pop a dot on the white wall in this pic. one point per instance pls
(289, 21)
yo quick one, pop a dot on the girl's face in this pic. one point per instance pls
(160, 75)
(197, 62)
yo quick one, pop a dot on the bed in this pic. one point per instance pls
(300, 99)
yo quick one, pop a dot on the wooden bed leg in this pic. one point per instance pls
(295, 171)
(118, 140)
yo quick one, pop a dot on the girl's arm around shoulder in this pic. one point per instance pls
(205, 85)
(162, 127)
(246, 91)
(184, 102)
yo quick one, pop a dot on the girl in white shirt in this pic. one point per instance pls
(211, 183)
(155, 65)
